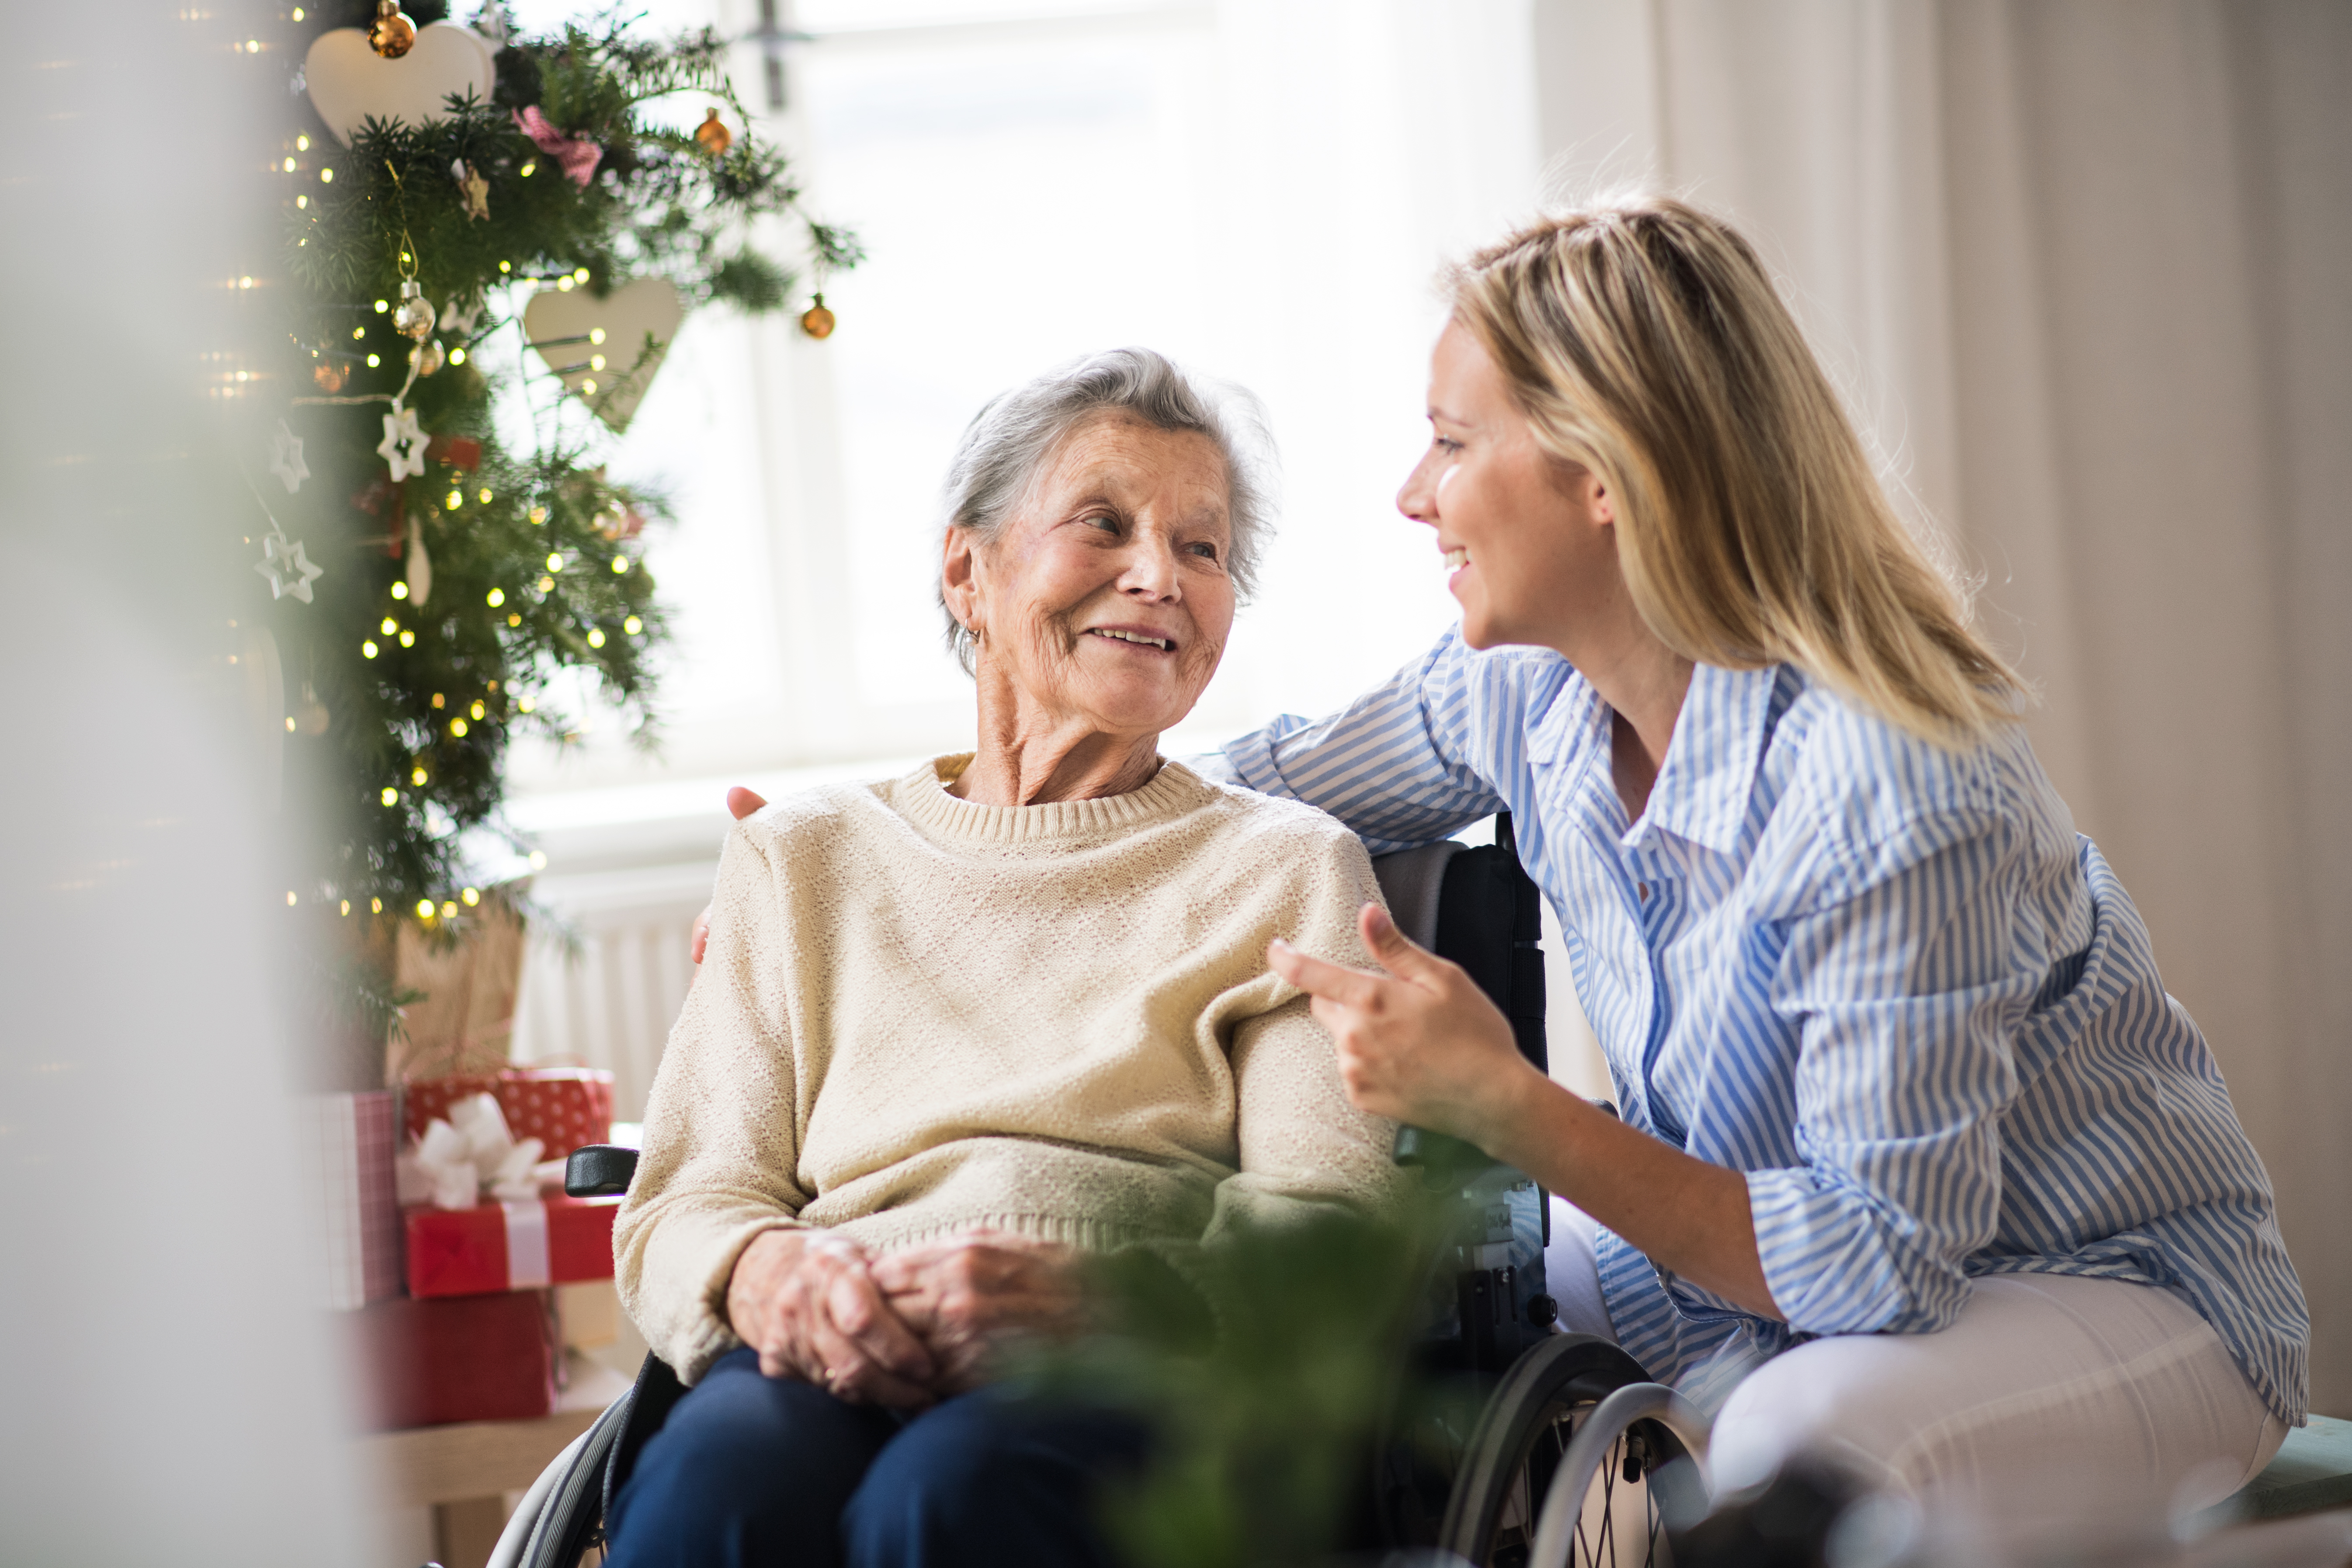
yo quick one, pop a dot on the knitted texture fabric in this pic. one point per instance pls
(919, 1015)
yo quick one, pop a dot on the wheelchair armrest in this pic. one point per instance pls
(599, 1170)
(1442, 1160)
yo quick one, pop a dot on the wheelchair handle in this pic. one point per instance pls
(598, 1170)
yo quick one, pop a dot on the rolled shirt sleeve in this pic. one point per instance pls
(1395, 764)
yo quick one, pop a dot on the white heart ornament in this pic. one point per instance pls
(572, 332)
(348, 80)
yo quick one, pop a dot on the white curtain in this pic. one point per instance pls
(2083, 265)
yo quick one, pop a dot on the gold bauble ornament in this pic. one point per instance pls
(428, 357)
(414, 315)
(713, 134)
(393, 35)
(816, 321)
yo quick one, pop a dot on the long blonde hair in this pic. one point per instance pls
(1644, 342)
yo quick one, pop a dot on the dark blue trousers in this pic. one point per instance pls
(758, 1472)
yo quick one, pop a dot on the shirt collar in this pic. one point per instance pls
(1701, 794)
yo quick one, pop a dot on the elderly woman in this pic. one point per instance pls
(956, 1027)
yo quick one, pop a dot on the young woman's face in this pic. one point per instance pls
(1529, 543)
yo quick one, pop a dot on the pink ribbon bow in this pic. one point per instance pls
(577, 157)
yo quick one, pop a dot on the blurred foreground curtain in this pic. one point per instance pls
(172, 1394)
(2085, 267)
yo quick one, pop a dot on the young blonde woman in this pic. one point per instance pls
(1913, 1160)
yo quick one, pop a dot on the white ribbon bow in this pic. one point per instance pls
(457, 1159)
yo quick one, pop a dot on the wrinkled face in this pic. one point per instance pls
(1105, 599)
(1529, 543)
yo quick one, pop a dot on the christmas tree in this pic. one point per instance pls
(454, 198)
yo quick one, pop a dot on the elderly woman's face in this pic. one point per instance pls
(1106, 598)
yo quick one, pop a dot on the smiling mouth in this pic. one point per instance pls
(1457, 559)
(1142, 639)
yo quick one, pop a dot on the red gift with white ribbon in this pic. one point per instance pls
(563, 1107)
(509, 1245)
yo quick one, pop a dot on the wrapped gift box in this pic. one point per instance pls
(563, 1107)
(508, 1247)
(347, 1142)
(461, 1358)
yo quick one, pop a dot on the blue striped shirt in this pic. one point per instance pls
(1888, 982)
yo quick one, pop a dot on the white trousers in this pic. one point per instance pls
(2054, 1405)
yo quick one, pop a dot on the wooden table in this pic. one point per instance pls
(464, 1470)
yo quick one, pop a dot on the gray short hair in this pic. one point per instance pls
(1009, 440)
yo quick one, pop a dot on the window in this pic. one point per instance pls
(1262, 192)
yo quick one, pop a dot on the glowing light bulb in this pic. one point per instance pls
(526, 705)
(526, 170)
(291, 900)
(537, 515)
(376, 906)
(400, 590)
(389, 627)
(513, 620)
(587, 386)
(546, 584)
(506, 267)
(633, 626)
(595, 362)
(408, 639)
(425, 909)
(289, 723)
(538, 859)
(326, 176)
(416, 777)
(302, 143)
(456, 499)
(439, 700)
(456, 356)
(497, 596)
(381, 305)
(367, 650)
(485, 497)
(595, 637)
(563, 285)
(301, 201)
(358, 333)
(595, 334)
(555, 563)
(449, 912)
(476, 711)
(391, 796)
(287, 165)
(580, 274)
(373, 361)
(471, 898)
(458, 728)
(620, 566)
(347, 906)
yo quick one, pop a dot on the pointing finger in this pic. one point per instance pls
(742, 801)
(1333, 982)
(1398, 953)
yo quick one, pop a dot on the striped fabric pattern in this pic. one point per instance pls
(1889, 982)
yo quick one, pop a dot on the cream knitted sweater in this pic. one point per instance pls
(918, 1015)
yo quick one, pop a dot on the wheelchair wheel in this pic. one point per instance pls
(1576, 1416)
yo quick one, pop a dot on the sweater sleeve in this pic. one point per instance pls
(1303, 1148)
(721, 1144)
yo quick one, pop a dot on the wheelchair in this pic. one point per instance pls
(1575, 1455)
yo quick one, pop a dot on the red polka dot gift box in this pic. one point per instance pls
(563, 1107)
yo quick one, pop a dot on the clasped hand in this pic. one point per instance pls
(904, 1329)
